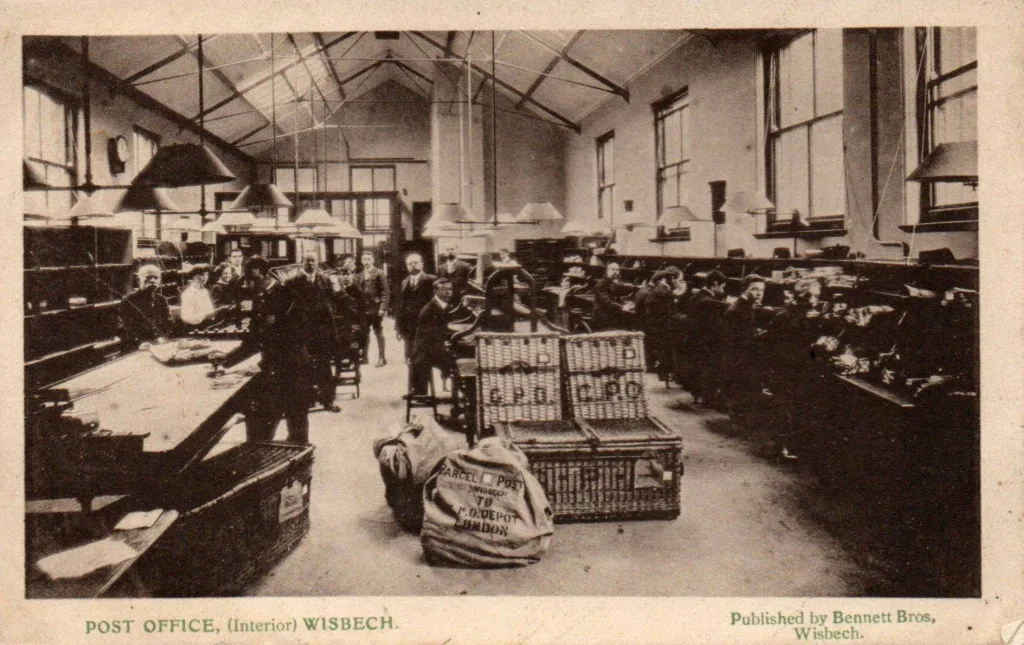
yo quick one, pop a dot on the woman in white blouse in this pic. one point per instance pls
(196, 305)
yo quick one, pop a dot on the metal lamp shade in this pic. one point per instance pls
(213, 226)
(677, 216)
(237, 219)
(35, 178)
(184, 223)
(957, 161)
(92, 206)
(538, 212)
(449, 213)
(346, 230)
(138, 199)
(260, 196)
(183, 164)
(574, 227)
(744, 202)
(314, 217)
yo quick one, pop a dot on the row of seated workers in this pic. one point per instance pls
(731, 354)
(308, 324)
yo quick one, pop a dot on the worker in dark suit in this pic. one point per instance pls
(416, 291)
(610, 309)
(144, 316)
(349, 316)
(740, 356)
(429, 348)
(661, 319)
(704, 319)
(312, 299)
(797, 375)
(377, 297)
(285, 381)
(457, 272)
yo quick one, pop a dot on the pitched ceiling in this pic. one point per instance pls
(558, 76)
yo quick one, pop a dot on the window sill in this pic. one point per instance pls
(804, 234)
(662, 240)
(939, 227)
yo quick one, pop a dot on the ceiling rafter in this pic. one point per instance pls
(621, 91)
(449, 43)
(319, 37)
(574, 126)
(550, 67)
(265, 79)
(305, 66)
(167, 60)
(409, 71)
(227, 82)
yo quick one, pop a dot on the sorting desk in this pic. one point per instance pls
(181, 411)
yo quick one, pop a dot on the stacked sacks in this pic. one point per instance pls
(406, 460)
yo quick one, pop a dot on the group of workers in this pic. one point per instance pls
(737, 356)
(307, 326)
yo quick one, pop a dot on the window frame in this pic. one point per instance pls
(927, 98)
(72, 123)
(662, 110)
(373, 177)
(774, 130)
(602, 184)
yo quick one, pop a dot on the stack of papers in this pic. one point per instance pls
(82, 560)
(138, 520)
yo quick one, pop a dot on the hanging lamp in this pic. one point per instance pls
(315, 216)
(676, 216)
(535, 212)
(34, 176)
(266, 195)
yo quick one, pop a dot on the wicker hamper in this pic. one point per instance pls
(610, 470)
(519, 377)
(606, 375)
(241, 512)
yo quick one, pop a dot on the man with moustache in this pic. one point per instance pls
(415, 292)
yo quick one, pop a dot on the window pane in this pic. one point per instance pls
(791, 191)
(606, 202)
(383, 178)
(957, 119)
(828, 70)
(284, 178)
(362, 179)
(684, 134)
(609, 161)
(827, 179)
(673, 138)
(957, 47)
(796, 81)
(307, 180)
(32, 122)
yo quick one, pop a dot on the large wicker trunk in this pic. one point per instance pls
(241, 512)
(604, 470)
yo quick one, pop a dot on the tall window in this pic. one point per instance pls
(145, 145)
(673, 146)
(605, 175)
(804, 125)
(947, 112)
(51, 124)
(366, 179)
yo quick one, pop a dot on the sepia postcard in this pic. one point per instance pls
(495, 322)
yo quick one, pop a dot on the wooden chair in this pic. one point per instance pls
(417, 400)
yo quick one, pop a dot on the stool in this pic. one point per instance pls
(346, 371)
(414, 400)
(464, 397)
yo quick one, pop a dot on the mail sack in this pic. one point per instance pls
(406, 460)
(483, 508)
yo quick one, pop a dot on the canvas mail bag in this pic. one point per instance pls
(406, 460)
(483, 508)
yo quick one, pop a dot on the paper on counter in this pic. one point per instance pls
(138, 520)
(77, 562)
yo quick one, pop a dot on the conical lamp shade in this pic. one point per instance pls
(744, 202)
(676, 216)
(240, 218)
(138, 199)
(447, 214)
(35, 178)
(314, 217)
(183, 164)
(574, 227)
(957, 161)
(184, 223)
(346, 230)
(213, 226)
(538, 212)
(260, 196)
(94, 205)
